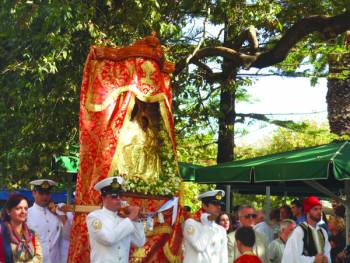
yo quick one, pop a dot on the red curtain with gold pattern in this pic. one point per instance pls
(112, 80)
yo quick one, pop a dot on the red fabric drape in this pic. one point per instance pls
(109, 88)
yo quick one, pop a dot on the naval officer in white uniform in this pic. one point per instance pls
(110, 234)
(204, 240)
(45, 223)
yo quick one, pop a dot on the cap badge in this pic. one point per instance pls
(218, 196)
(45, 185)
(115, 185)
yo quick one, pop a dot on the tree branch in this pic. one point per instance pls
(250, 35)
(329, 27)
(205, 22)
(228, 53)
(210, 76)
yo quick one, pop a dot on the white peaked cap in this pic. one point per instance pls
(108, 181)
(40, 182)
(213, 193)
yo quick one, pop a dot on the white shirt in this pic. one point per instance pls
(294, 247)
(64, 246)
(275, 251)
(111, 236)
(204, 242)
(265, 229)
(49, 228)
(259, 248)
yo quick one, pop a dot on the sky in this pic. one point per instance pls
(283, 95)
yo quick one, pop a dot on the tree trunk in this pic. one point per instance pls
(227, 99)
(226, 123)
(338, 95)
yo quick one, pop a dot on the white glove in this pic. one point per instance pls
(58, 211)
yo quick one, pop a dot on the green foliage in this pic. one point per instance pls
(43, 47)
(259, 201)
(197, 149)
(286, 139)
(192, 190)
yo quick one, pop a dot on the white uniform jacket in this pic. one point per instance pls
(294, 247)
(204, 242)
(111, 236)
(259, 248)
(64, 245)
(49, 229)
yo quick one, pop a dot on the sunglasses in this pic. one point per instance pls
(247, 216)
(44, 192)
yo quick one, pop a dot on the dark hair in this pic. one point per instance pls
(229, 219)
(297, 203)
(275, 214)
(340, 211)
(246, 235)
(12, 202)
(288, 210)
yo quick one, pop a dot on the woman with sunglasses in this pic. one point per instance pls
(25, 245)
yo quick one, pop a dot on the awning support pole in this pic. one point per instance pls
(347, 209)
(228, 199)
(268, 204)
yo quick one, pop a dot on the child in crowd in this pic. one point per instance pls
(245, 238)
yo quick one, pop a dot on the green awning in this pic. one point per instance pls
(67, 164)
(70, 164)
(314, 163)
(188, 171)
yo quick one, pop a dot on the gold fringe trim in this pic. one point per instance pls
(182, 194)
(139, 253)
(116, 93)
(169, 255)
(159, 230)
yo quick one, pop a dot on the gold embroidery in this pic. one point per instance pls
(139, 253)
(130, 67)
(169, 255)
(163, 107)
(190, 230)
(45, 185)
(114, 162)
(218, 196)
(148, 68)
(138, 149)
(97, 224)
(116, 93)
(159, 230)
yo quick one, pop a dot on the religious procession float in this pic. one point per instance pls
(127, 129)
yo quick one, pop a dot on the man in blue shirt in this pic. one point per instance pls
(297, 211)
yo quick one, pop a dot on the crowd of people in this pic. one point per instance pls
(41, 233)
(297, 233)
